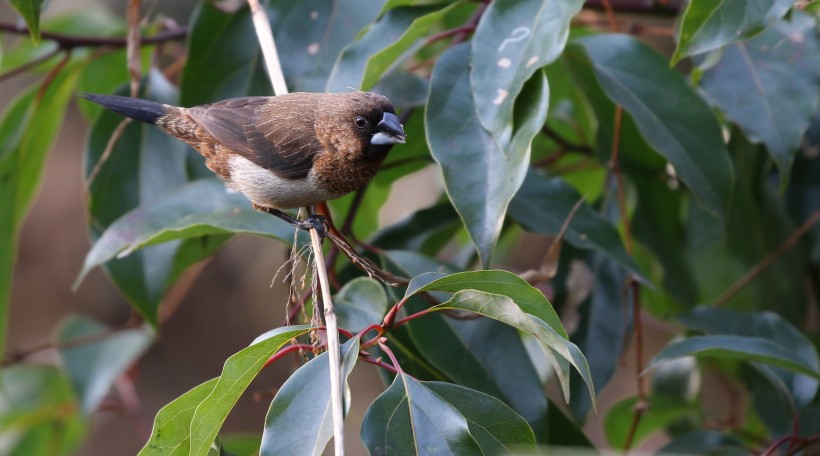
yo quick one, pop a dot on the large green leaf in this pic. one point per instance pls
(737, 347)
(670, 115)
(542, 206)
(223, 60)
(360, 303)
(202, 207)
(38, 411)
(237, 373)
(33, 122)
(710, 24)
(409, 418)
(30, 10)
(362, 63)
(481, 174)
(171, 435)
(495, 427)
(143, 165)
(506, 310)
(299, 420)
(765, 325)
(93, 367)
(512, 41)
(312, 47)
(769, 86)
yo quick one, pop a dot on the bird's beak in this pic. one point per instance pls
(389, 132)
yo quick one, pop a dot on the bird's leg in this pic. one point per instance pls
(312, 222)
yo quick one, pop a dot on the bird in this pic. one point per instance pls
(281, 152)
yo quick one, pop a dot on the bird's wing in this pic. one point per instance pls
(274, 134)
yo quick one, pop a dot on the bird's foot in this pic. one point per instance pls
(313, 222)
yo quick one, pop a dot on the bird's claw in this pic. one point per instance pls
(314, 222)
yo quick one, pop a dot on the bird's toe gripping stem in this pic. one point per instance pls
(316, 222)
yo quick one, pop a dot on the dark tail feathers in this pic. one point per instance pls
(136, 108)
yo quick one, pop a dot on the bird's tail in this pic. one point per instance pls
(136, 108)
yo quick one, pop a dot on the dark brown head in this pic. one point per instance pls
(366, 119)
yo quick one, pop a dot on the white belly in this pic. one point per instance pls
(267, 189)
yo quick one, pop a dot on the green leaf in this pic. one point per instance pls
(409, 418)
(242, 444)
(300, 420)
(670, 115)
(707, 24)
(543, 204)
(506, 310)
(481, 174)
(171, 435)
(661, 413)
(530, 299)
(769, 86)
(94, 367)
(737, 347)
(362, 63)
(238, 372)
(35, 121)
(495, 427)
(30, 10)
(705, 442)
(512, 41)
(460, 350)
(200, 208)
(224, 59)
(766, 325)
(38, 411)
(313, 46)
(144, 164)
(360, 303)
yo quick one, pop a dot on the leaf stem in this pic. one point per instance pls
(66, 42)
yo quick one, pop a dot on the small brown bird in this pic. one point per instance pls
(281, 152)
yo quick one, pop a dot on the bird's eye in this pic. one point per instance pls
(361, 122)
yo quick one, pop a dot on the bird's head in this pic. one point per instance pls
(373, 121)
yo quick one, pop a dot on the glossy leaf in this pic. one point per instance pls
(459, 349)
(171, 435)
(737, 347)
(362, 63)
(670, 115)
(707, 25)
(769, 86)
(765, 325)
(313, 46)
(223, 60)
(543, 204)
(506, 310)
(661, 412)
(143, 165)
(597, 336)
(237, 373)
(202, 207)
(30, 11)
(300, 420)
(512, 41)
(95, 366)
(33, 122)
(409, 418)
(360, 303)
(481, 174)
(495, 427)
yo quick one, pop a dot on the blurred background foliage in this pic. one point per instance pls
(648, 171)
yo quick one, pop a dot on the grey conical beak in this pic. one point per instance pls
(389, 131)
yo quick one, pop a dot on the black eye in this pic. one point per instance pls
(361, 122)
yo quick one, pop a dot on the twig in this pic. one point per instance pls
(764, 264)
(112, 141)
(564, 142)
(610, 16)
(66, 42)
(469, 28)
(132, 50)
(29, 65)
(274, 67)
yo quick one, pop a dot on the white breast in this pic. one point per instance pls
(267, 189)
